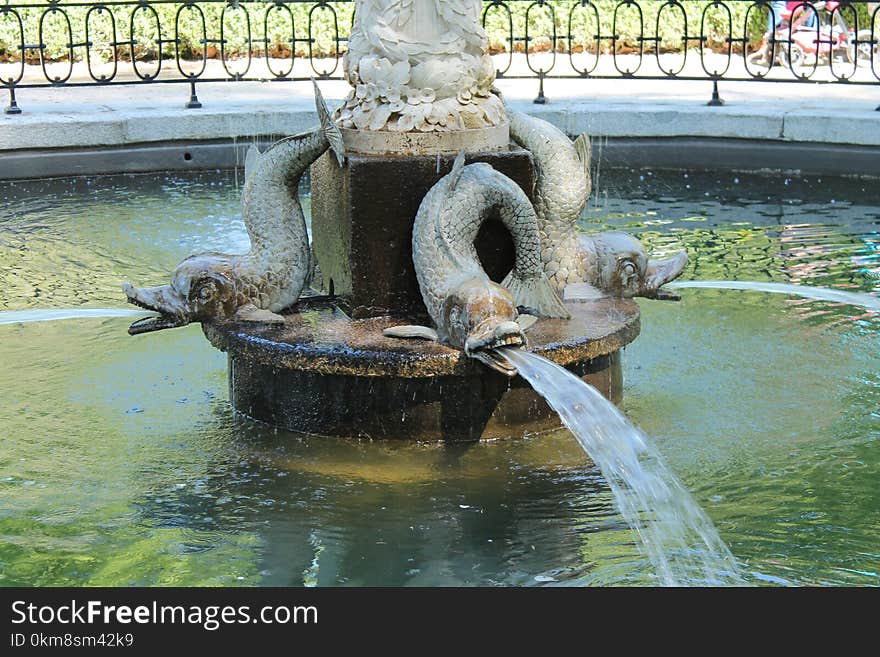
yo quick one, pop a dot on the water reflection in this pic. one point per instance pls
(71, 243)
(342, 512)
(807, 231)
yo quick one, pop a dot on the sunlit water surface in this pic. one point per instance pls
(122, 463)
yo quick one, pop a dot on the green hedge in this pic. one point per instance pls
(278, 29)
(629, 26)
(715, 21)
(540, 24)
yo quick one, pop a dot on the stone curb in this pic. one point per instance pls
(101, 126)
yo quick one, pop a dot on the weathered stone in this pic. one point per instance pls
(421, 67)
(362, 218)
(324, 373)
(495, 138)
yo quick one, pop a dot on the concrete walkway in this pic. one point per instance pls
(87, 117)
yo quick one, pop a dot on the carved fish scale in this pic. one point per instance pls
(562, 188)
(447, 225)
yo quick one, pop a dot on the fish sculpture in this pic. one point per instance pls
(581, 265)
(469, 311)
(257, 285)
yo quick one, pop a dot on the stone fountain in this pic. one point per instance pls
(331, 362)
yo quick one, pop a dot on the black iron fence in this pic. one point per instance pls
(56, 43)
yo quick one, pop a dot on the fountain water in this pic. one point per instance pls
(866, 301)
(53, 314)
(676, 535)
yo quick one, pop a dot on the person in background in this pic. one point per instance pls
(762, 56)
(809, 19)
(774, 17)
(802, 15)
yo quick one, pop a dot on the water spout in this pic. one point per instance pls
(53, 314)
(673, 531)
(866, 301)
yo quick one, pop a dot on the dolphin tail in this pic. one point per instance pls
(584, 152)
(583, 148)
(411, 331)
(457, 168)
(536, 296)
(314, 279)
(329, 127)
(250, 161)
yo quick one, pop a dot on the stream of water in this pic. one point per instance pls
(52, 314)
(674, 532)
(866, 301)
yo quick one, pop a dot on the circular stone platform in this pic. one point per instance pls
(324, 373)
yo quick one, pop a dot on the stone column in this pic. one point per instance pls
(421, 76)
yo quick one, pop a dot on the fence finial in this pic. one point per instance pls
(194, 102)
(13, 107)
(716, 98)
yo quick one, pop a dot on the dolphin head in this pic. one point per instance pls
(480, 316)
(201, 289)
(626, 271)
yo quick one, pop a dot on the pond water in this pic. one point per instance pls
(122, 463)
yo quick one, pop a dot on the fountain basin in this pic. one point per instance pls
(324, 373)
(121, 451)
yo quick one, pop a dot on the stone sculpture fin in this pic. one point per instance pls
(411, 331)
(314, 280)
(584, 152)
(328, 125)
(526, 321)
(250, 313)
(582, 292)
(250, 161)
(457, 168)
(536, 295)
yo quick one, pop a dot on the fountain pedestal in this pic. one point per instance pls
(325, 373)
(362, 219)
(329, 370)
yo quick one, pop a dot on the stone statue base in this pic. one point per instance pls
(329, 370)
(362, 220)
(495, 138)
(326, 374)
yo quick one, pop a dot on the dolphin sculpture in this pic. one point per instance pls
(591, 265)
(257, 285)
(470, 311)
